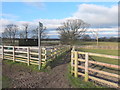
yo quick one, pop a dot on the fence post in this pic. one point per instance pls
(28, 56)
(45, 55)
(72, 61)
(2, 52)
(55, 52)
(86, 67)
(76, 64)
(51, 52)
(13, 53)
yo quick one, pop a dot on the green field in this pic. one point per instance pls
(103, 51)
(100, 43)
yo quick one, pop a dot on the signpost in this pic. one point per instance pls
(39, 43)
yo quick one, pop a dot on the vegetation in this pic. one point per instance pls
(5, 82)
(79, 82)
(99, 44)
(12, 32)
(103, 51)
(72, 30)
(32, 67)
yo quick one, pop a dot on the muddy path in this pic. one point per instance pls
(22, 77)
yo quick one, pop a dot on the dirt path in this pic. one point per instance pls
(25, 78)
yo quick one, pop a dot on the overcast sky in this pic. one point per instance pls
(102, 16)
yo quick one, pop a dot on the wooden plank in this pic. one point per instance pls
(104, 81)
(8, 58)
(13, 54)
(81, 52)
(8, 50)
(82, 60)
(86, 67)
(33, 61)
(101, 72)
(20, 52)
(20, 61)
(21, 47)
(6, 54)
(100, 80)
(34, 58)
(105, 73)
(2, 52)
(34, 53)
(34, 48)
(105, 64)
(21, 56)
(76, 64)
(102, 55)
(28, 56)
(71, 62)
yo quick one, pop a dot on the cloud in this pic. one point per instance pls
(97, 14)
(9, 16)
(93, 14)
(39, 5)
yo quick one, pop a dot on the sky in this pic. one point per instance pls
(102, 16)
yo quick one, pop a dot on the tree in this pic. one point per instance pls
(25, 33)
(86, 37)
(95, 33)
(42, 32)
(72, 30)
(10, 32)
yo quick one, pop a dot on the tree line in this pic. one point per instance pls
(70, 31)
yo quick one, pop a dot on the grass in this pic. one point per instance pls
(5, 82)
(100, 43)
(32, 67)
(103, 51)
(79, 82)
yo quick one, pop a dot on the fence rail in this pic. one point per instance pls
(81, 65)
(29, 55)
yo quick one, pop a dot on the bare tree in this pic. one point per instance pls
(10, 32)
(42, 33)
(95, 33)
(26, 31)
(21, 35)
(72, 30)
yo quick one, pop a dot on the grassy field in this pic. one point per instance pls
(103, 51)
(100, 43)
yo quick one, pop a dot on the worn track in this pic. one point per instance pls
(26, 78)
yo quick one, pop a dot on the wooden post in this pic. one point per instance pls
(28, 56)
(45, 55)
(3, 52)
(51, 52)
(73, 48)
(55, 52)
(86, 67)
(76, 64)
(13, 53)
(72, 62)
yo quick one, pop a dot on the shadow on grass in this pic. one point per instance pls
(59, 60)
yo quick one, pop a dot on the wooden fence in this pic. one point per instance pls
(29, 55)
(81, 66)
